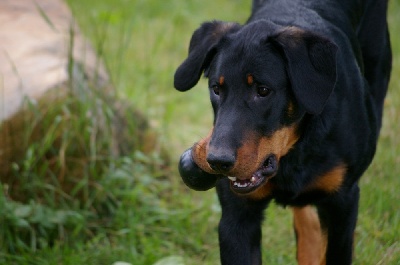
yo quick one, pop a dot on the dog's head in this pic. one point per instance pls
(263, 79)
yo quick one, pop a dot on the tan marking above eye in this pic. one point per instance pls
(221, 80)
(250, 79)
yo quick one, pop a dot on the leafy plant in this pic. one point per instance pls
(65, 177)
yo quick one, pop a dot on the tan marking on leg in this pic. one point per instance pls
(324, 234)
(311, 241)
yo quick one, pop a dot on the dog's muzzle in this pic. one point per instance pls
(258, 178)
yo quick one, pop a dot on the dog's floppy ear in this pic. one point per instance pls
(204, 39)
(311, 61)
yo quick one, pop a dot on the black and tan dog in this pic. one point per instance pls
(297, 94)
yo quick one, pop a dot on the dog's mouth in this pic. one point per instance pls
(257, 179)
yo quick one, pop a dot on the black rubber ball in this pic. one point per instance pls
(193, 176)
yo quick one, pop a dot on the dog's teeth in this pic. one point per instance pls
(232, 178)
(239, 185)
(253, 179)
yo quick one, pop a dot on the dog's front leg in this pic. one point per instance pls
(239, 228)
(338, 216)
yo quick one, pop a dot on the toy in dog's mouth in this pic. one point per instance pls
(198, 179)
(257, 179)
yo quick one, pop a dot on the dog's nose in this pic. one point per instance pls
(220, 163)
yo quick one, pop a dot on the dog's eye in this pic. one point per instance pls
(216, 89)
(263, 91)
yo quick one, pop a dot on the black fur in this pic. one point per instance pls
(331, 60)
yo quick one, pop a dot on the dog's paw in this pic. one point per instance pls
(193, 176)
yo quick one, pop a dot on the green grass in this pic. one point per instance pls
(142, 43)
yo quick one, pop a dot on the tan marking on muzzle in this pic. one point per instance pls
(199, 153)
(262, 192)
(278, 144)
(253, 152)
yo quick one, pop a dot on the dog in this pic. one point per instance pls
(297, 94)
